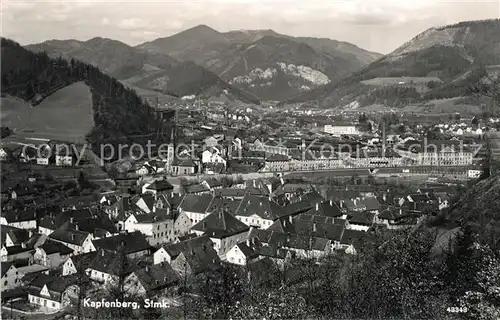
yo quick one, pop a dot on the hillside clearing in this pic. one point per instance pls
(66, 115)
(391, 81)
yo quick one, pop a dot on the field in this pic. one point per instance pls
(444, 106)
(65, 116)
(392, 81)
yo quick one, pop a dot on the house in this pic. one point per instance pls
(212, 155)
(258, 211)
(11, 278)
(51, 222)
(195, 206)
(157, 226)
(145, 169)
(242, 253)
(17, 252)
(210, 142)
(212, 184)
(197, 189)
(396, 218)
(170, 252)
(52, 254)
(22, 219)
(158, 187)
(79, 241)
(361, 220)
(352, 241)
(78, 263)
(133, 244)
(151, 280)
(197, 260)
(108, 267)
(223, 229)
(184, 167)
(326, 209)
(302, 246)
(12, 236)
(53, 293)
(64, 155)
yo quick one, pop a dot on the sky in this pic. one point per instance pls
(379, 26)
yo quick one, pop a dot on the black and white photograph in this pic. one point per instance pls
(250, 159)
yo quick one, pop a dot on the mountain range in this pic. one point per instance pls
(251, 65)
(439, 63)
(255, 65)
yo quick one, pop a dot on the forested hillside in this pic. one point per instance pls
(119, 113)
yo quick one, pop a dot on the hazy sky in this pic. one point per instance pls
(371, 24)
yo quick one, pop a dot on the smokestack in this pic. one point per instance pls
(317, 206)
(76, 227)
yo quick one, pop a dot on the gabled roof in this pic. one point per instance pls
(19, 216)
(310, 228)
(132, 242)
(220, 224)
(201, 259)
(157, 276)
(369, 203)
(213, 183)
(67, 235)
(160, 185)
(248, 251)
(260, 206)
(83, 260)
(111, 263)
(93, 225)
(5, 267)
(157, 216)
(197, 188)
(176, 248)
(16, 235)
(219, 203)
(353, 237)
(326, 209)
(364, 218)
(51, 247)
(195, 203)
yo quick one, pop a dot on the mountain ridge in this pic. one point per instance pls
(135, 67)
(457, 54)
(249, 53)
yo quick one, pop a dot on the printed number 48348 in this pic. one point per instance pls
(457, 309)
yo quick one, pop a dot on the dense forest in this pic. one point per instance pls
(120, 115)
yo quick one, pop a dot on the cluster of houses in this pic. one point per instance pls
(155, 238)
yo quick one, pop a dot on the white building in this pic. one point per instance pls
(338, 129)
(157, 226)
(11, 277)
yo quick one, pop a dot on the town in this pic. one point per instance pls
(257, 197)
